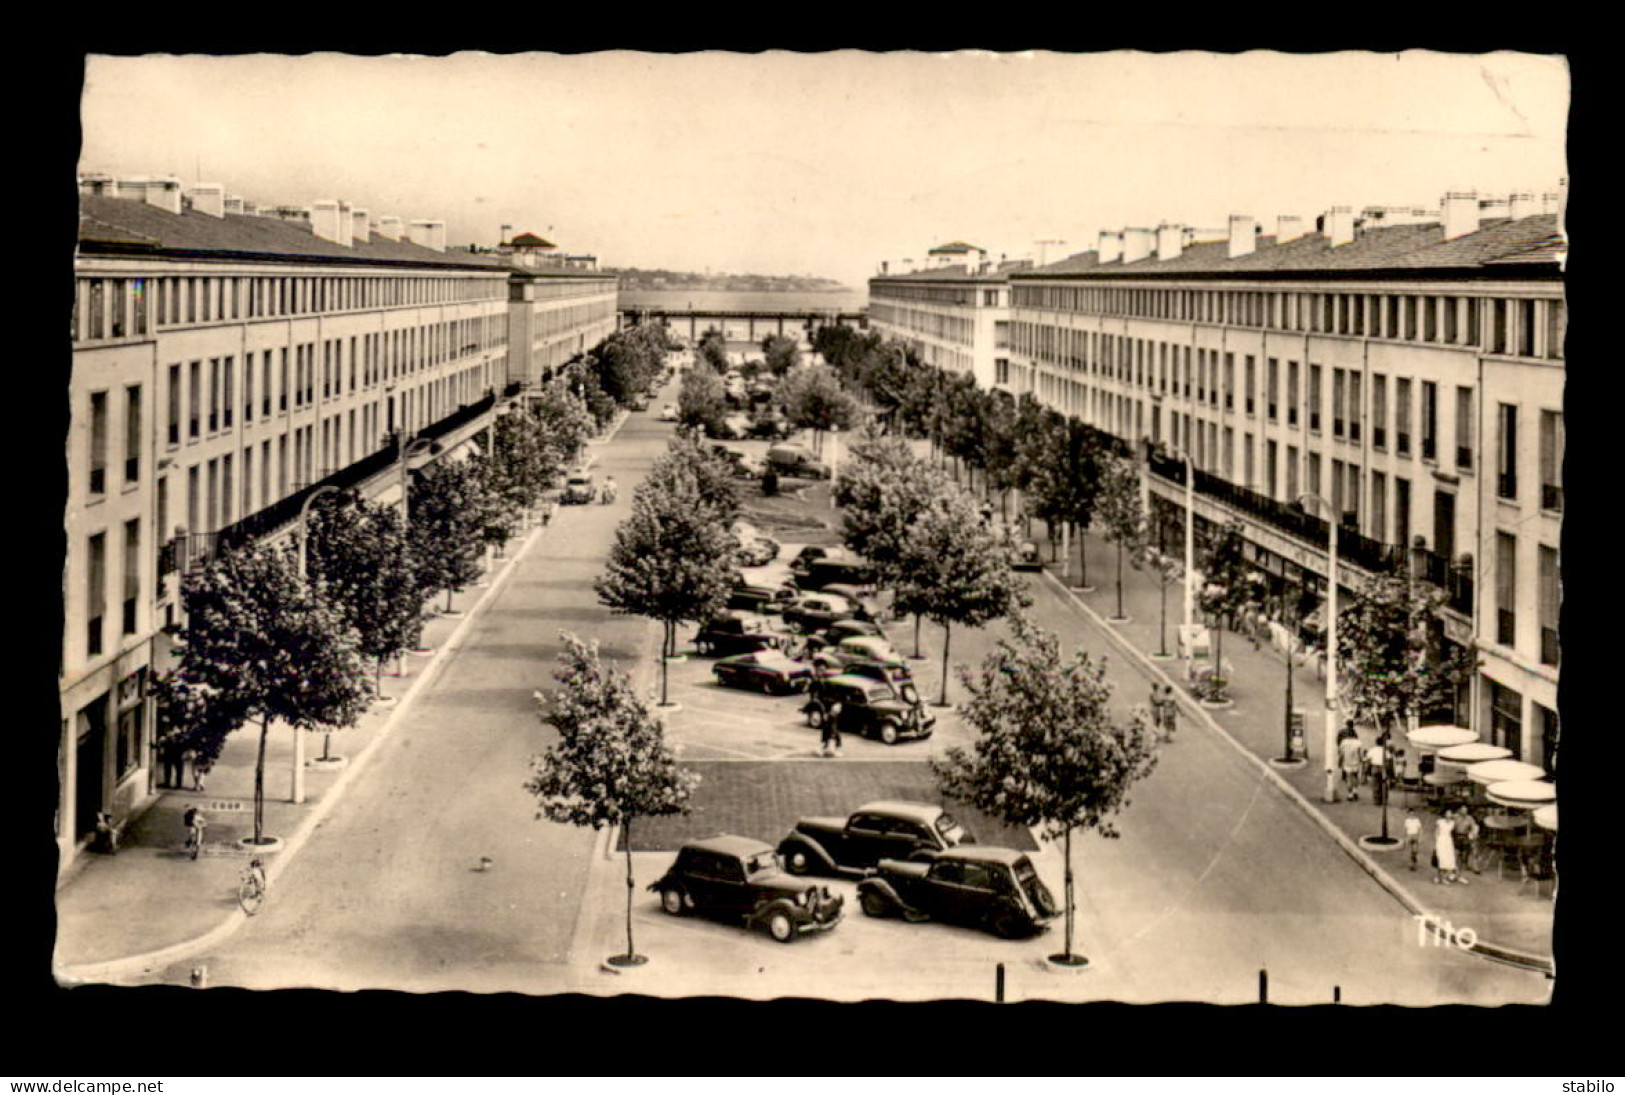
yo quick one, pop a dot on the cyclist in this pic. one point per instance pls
(252, 889)
(195, 823)
(609, 490)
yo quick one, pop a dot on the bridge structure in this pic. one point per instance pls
(744, 325)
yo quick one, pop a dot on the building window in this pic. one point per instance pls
(1402, 416)
(174, 431)
(1550, 595)
(96, 593)
(1506, 478)
(132, 434)
(1338, 397)
(1450, 305)
(1506, 588)
(1556, 328)
(1273, 377)
(1314, 398)
(1506, 717)
(1292, 473)
(1430, 420)
(115, 307)
(195, 400)
(1379, 411)
(1498, 326)
(98, 442)
(228, 398)
(132, 573)
(1464, 429)
(1551, 461)
(1379, 506)
(1354, 406)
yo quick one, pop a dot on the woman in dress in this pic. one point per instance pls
(1444, 849)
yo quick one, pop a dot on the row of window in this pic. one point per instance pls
(1526, 328)
(128, 307)
(934, 325)
(555, 321)
(562, 289)
(965, 295)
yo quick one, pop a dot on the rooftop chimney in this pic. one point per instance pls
(98, 186)
(209, 198)
(1110, 247)
(430, 234)
(1339, 225)
(1493, 209)
(884, 267)
(325, 222)
(1170, 241)
(1459, 211)
(1288, 226)
(1522, 205)
(360, 226)
(164, 193)
(388, 227)
(1242, 235)
(233, 203)
(1136, 244)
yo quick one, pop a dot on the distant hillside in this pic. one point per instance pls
(633, 278)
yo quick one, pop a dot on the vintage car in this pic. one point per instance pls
(827, 661)
(995, 889)
(864, 604)
(868, 708)
(1024, 556)
(879, 830)
(835, 633)
(898, 676)
(772, 671)
(797, 462)
(668, 412)
(739, 878)
(579, 489)
(770, 427)
(822, 573)
(815, 611)
(759, 597)
(736, 633)
(639, 402)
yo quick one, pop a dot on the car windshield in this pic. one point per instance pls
(951, 832)
(879, 693)
(761, 861)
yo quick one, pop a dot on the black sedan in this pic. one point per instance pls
(771, 671)
(995, 889)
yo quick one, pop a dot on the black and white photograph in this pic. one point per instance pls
(841, 526)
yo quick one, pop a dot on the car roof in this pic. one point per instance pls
(917, 811)
(728, 844)
(983, 853)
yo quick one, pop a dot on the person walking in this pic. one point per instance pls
(1413, 835)
(829, 735)
(1466, 836)
(1444, 850)
(1170, 713)
(195, 823)
(1350, 757)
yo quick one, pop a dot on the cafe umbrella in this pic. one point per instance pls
(1491, 772)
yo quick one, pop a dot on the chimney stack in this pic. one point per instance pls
(1491, 209)
(1136, 244)
(389, 228)
(1242, 237)
(210, 199)
(1288, 226)
(1459, 211)
(430, 234)
(1170, 241)
(360, 226)
(1339, 225)
(325, 222)
(1110, 247)
(163, 193)
(98, 186)
(233, 203)
(1522, 205)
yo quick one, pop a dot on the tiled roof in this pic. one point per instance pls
(1396, 248)
(528, 239)
(123, 221)
(957, 247)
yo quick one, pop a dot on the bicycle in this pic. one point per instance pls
(252, 888)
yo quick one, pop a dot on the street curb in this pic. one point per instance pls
(101, 972)
(1489, 951)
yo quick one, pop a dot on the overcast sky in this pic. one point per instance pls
(828, 163)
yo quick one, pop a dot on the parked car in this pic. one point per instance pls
(815, 551)
(756, 551)
(758, 597)
(868, 708)
(1025, 557)
(995, 889)
(639, 402)
(835, 633)
(770, 670)
(822, 573)
(897, 676)
(668, 413)
(579, 489)
(793, 460)
(771, 427)
(832, 659)
(736, 633)
(815, 611)
(876, 831)
(739, 878)
(724, 430)
(854, 594)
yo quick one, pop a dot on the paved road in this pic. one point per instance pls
(386, 894)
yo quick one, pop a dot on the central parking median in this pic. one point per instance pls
(764, 799)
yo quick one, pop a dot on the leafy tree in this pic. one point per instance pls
(672, 560)
(565, 425)
(627, 361)
(598, 402)
(780, 353)
(450, 508)
(713, 349)
(1048, 752)
(1122, 517)
(1230, 586)
(883, 490)
(702, 405)
(359, 554)
(813, 399)
(611, 764)
(711, 478)
(956, 572)
(521, 463)
(260, 643)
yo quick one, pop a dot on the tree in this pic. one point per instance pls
(684, 460)
(956, 572)
(813, 399)
(1229, 586)
(882, 491)
(1048, 752)
(358, 553)
(780, 353)
(713, 349)
(450, 509)
(672, 560)
(521, 462)
(260, 643)
(702, 405)
(611, 764)
(564, 424)
(1122, 517)
(628, 360)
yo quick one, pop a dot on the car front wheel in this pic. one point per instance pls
(672, 901)
(889, 732)
(874, 904)
(781, 927)
(798, 860)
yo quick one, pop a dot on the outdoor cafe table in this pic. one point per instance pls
(1546, 817)
(1440, 737)
(1472, 752)
(1502, 771)
(1523, 794)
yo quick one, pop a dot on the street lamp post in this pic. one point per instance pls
(304, 574)
(1330, 744)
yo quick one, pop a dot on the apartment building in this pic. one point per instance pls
(558, 307)
(227, 361)
(1405, 365)
(953, 313)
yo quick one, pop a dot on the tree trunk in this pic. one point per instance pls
(631, 952)
(946, 633)
(917, 653)
(1119, 579)
(259, 781)
(1083, 555)
(663, 670)
(448, 600)
(1070, 905)
(1049, 534)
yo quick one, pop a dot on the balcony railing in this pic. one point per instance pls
(1455, 580)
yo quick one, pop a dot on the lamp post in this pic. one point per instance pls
(1330, 793)
(304, 574)
(834, 461)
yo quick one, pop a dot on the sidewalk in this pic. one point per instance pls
(1512, 921)
(151, 905)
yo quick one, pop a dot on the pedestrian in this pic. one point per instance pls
(1170, 713)
(1444, 850)
(829, 737)
(195, 823)
(547, 512)
(1466, 837)
(1350, 755)
(1413, 835)
(201, 767)
(1376, 764)
(174, 761)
